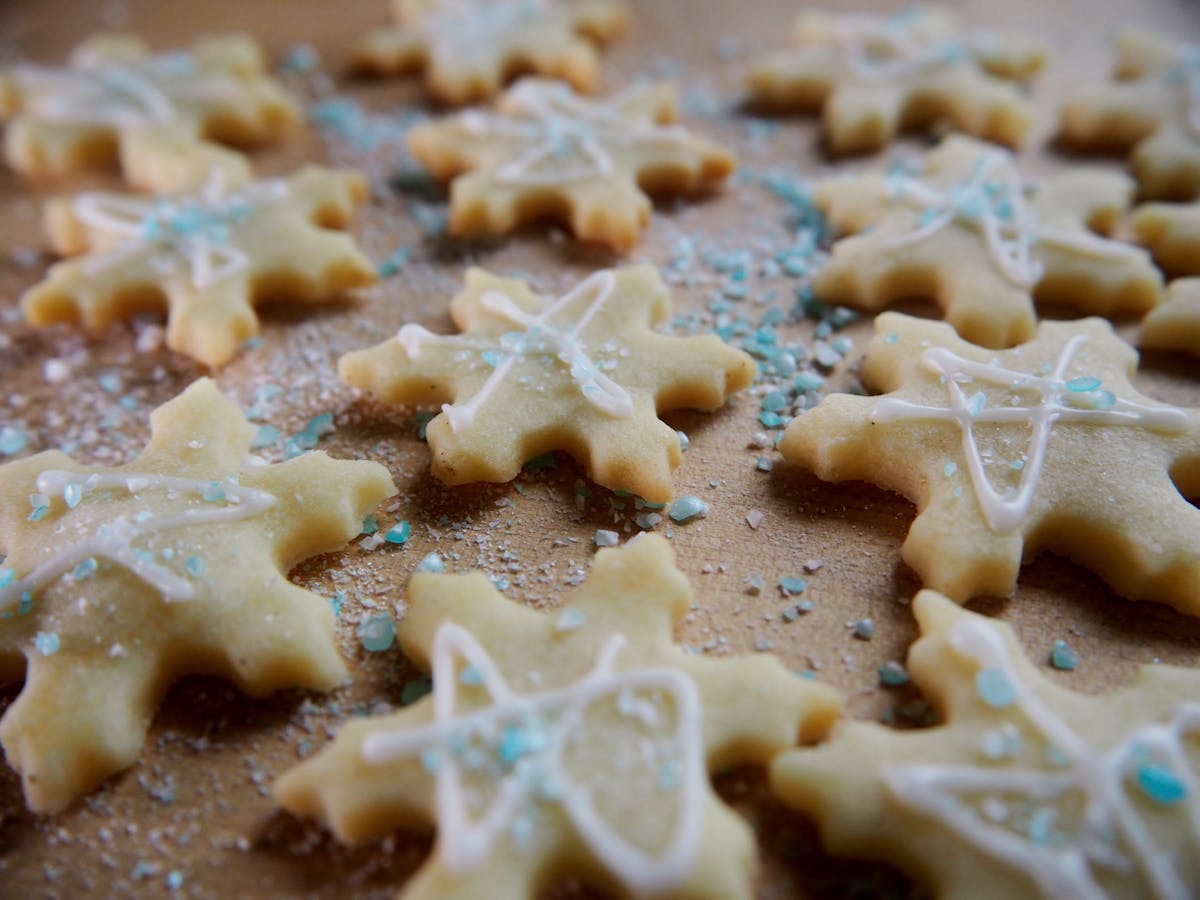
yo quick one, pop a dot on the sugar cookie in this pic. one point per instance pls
(1027, 789)
(966, 232)
(1176, 324)
(162, 117)
(119, 581)
(1171, 231)
(582, 373)
(1046, 446)
(469, 48)
(577, 744)
(207, 257)
(872, 76)
(546, 151)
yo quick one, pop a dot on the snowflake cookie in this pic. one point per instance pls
(470, 48)
(548, 152)
(1027, 789)
(1171, 231)
(164, 117)
(967, 232)
(1151, 109)
(584, 373)
(119, 581)
(570, 744)
(871, 76)
(207, 257)
(1044, 446)
(1176, 324)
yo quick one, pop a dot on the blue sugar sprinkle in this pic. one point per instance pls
(39, 513)
(394, 263)
(1083, 384)
(12, 440)
(1041, 824)
(46, 642)
(85, 569)
(174, 880)
(431, 563)
(7, 577)
(891, 338)
(687, 508)
(950, 468)
(336, 602)
(370, 524)
(808, 381)
(265, 437)
(763, 464)
(790, 586)
(517, 742)
(377, 633)
(976, 404)
(398, 533)
(470, 676)
(1160, 784)
(684, 441)
(994, 688)
(605, 538)
(492, 357)
(73, 494)
(195, 566)
(775, 401)
(110, 382)
(1017, 465)
(1063, 657)
(570, 619)
(212, 493)
(864, 629)
(320, 425)
(893, 674)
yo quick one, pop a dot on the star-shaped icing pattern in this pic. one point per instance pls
(119, 581)
(871, 76)
(1026, 789)
(584, 373)
(163, 117)
(206, 257)
(576, 743)
(548, 152)
(1176, 324)
(1046, 446)
(1151, 109)
(1171, 231)
(469, 49)
(967, 232)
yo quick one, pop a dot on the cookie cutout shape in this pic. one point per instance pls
(548, 152)
(163, 117)
(1176, 324)
(873, 76)
(468, 49)
(964, 233)
(1046, 446)
(554, 746)
(1171, 231)
(1026, 789)
(208, 257)
(119, 581)
(582, 373)
(1152, 109)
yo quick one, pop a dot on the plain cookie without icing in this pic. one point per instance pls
(1027, 789)
(576, 744)
(1176, 324)
(547, 152)
(873, 76)
(163, 117)
(584, 373)
(120, 581)
(1046, 446)
(966, 232)
(1171, 231)
(209, 257)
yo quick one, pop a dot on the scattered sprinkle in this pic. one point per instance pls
(789, 586)
(431, 563)
(893, 674)
(570, 619)
(1063, 657)
(1160, 784)
(684, 441)
(605, 538)
(377, 633)
(398, 533)
(12, 440)
(864, 629)
(994, 688)
(687, 508)
(755, 517)
(46, 643)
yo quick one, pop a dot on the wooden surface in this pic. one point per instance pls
(196, 802)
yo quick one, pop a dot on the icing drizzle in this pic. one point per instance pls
(1076, 401)
(568, 138)
(993, 198)
(538, 335)
(196, 228)
(540, 774)
(224, 502)
(884, 48)
(1112, 834)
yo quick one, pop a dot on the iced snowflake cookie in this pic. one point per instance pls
(871, 76)
(582, 373)
(1027, 789)
(1171, 231)
(1046, 446)
(967, 232)
(119, 581)
(1152, 109)
(207, 257)
(1176, 324)
(548, 152)
(576, 744)
(469, 48)
(162, 117)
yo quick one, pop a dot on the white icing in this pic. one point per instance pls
(457, 28)
(565, 137)
(540, 336)
(1006, 512)
(196, 228)
(541, 775)
(120, 94)
(114, 540)
(993, 198)
(1112, 834)
(888, 48)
